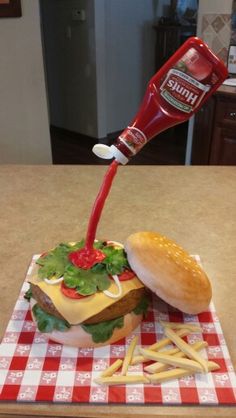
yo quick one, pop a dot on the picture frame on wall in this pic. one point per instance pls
(185, 11)
(232, 59)
(10, 8)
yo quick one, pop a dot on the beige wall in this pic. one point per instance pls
(24, 126)
(212, 6)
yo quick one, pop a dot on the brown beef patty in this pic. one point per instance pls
(119, 308)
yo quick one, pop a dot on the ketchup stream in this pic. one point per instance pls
(88, 256)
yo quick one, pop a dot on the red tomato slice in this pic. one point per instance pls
(126, 275)
(69, 292)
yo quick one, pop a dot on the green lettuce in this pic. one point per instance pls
(47, 322)
(28, 294)
(86, 282)
(102, 331)
(53, 264)
(142, 306)
(56, 263)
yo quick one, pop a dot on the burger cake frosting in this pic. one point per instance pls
(99, 306)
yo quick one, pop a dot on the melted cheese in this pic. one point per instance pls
(76, 311)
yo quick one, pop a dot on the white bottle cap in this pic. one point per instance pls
(106, 152)
(118, 155)
(102, 151)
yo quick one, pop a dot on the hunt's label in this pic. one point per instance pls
(133, 138)
(182, 91)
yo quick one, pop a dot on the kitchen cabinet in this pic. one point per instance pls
(168, 39)
(214, 137)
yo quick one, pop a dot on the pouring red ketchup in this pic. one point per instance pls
(173, 95)
(88, 256)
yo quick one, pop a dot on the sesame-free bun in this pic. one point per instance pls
(77, 337)
(169, 271)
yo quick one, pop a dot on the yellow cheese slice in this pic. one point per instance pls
(76, 311)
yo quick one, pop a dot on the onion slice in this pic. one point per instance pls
(116, 244)
(114, 295)
(53, 281)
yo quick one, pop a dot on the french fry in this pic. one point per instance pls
(178, 325)
(138, 359)
(183, 357)
(165, 341)
(177, 373)
(121, 380)
(128, 356)
(192, 365)
(112, 369)
(160, 367)
(186, 348)
(158, 346)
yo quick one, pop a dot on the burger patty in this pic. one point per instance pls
(117, 309)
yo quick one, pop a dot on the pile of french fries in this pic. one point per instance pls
(172, 363)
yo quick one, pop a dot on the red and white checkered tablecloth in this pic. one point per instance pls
(33, 369)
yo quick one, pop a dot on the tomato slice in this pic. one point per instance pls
(70, 292)
(126, 275)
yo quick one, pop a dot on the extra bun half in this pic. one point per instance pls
(77, 337)
(169, 271)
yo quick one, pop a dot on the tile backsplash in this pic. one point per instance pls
(216, 32)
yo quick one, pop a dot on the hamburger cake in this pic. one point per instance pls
(88, 307)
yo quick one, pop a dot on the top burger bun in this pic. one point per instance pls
(169, 271)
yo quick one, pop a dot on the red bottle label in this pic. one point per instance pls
(133, 138)
(182, 91)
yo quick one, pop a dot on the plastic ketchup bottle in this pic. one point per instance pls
(173, 95)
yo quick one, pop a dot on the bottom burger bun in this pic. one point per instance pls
(77, 337)
(169, 271)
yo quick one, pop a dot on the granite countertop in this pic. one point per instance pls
(196, 206)
(226, 90)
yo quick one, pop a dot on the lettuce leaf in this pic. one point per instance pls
(47, 322)
(86, 282)
(54, 263)
(103, 331)
(142, 306)
(28, 294)
(114, 263)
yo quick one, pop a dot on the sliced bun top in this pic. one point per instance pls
(169, 271)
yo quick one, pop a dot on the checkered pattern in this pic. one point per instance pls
(34, 369)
